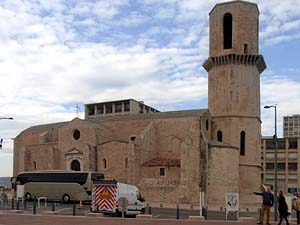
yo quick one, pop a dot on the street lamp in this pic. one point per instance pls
(6, 118)
(275, 159)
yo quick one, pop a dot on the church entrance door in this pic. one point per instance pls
(75, 165)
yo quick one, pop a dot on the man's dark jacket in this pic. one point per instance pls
(268, 197)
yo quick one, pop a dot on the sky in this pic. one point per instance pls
(60, 53)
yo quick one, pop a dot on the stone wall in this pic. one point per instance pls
(244, 28)
(115, 153)
(42, 157)
(223, 173)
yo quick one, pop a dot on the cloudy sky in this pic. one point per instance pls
(59, 53)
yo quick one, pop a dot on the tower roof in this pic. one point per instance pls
(234, 2)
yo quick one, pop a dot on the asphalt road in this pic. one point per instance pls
(157, 213)
(14, 219)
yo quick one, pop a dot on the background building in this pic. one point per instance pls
(291, 126)
(288, 160)
(120, 107)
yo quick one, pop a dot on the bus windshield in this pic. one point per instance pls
(97, 176)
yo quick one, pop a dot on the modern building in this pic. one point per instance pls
(291, 126)
(288, 159)
(120, 107)
(173, 156)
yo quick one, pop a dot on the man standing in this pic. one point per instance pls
(268, 201)
(297, 207)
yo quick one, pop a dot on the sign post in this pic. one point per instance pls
(200, 203)
(20, 193)
(123, 203)
(232, 203)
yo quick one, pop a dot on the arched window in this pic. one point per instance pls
(219, 136)
(206, 124)
(126, 163)
(227, 31)
(242, 143)
(104, 163)
(75, 165)
(34, 165)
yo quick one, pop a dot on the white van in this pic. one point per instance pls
(109, 196)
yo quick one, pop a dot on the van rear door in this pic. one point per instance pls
(104, 196)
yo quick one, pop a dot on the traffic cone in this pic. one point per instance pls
(80, 205)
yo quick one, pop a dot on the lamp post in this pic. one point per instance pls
(6, 118)
(275, 160)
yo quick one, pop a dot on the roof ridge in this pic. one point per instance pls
(95, 121)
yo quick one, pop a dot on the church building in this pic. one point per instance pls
(172, 156)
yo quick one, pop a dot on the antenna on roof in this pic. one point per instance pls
(77, 110)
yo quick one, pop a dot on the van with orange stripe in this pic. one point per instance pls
(111, 197)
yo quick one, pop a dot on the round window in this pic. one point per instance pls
(76, 134)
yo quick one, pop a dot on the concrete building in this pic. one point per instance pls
(172, 156)
(291, 126)
(120, 107)
(288, 156)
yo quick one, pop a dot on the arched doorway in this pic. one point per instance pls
(75, 165)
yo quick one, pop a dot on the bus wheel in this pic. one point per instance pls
(66, 198)
(28, 196)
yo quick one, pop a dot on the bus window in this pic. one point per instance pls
(97, 176)
(13, 183)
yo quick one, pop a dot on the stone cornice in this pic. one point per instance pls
(217, 144)
(238, 116)
(250, 165)
(256, 60)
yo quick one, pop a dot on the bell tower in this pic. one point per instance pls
(234, 66)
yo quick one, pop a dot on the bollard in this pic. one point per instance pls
(74, 209)
(53, 207)
(25, 203)
(18, 204)
(204, 212)
(177, 212)
(13, 203)
(259, 215)
(34, 206)
(149, 210)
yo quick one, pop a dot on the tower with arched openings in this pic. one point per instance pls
(234, 66)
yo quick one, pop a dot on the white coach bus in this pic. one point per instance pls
(57, 185)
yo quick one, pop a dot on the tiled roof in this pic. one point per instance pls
(157, 115)
(43, 127)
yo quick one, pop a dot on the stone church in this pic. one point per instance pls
(172, 156)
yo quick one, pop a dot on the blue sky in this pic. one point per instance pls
(55, 54)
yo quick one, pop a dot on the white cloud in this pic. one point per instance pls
(282, 38)
(279, 20)
(280, 90)
(133, 19)
(101, 9)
